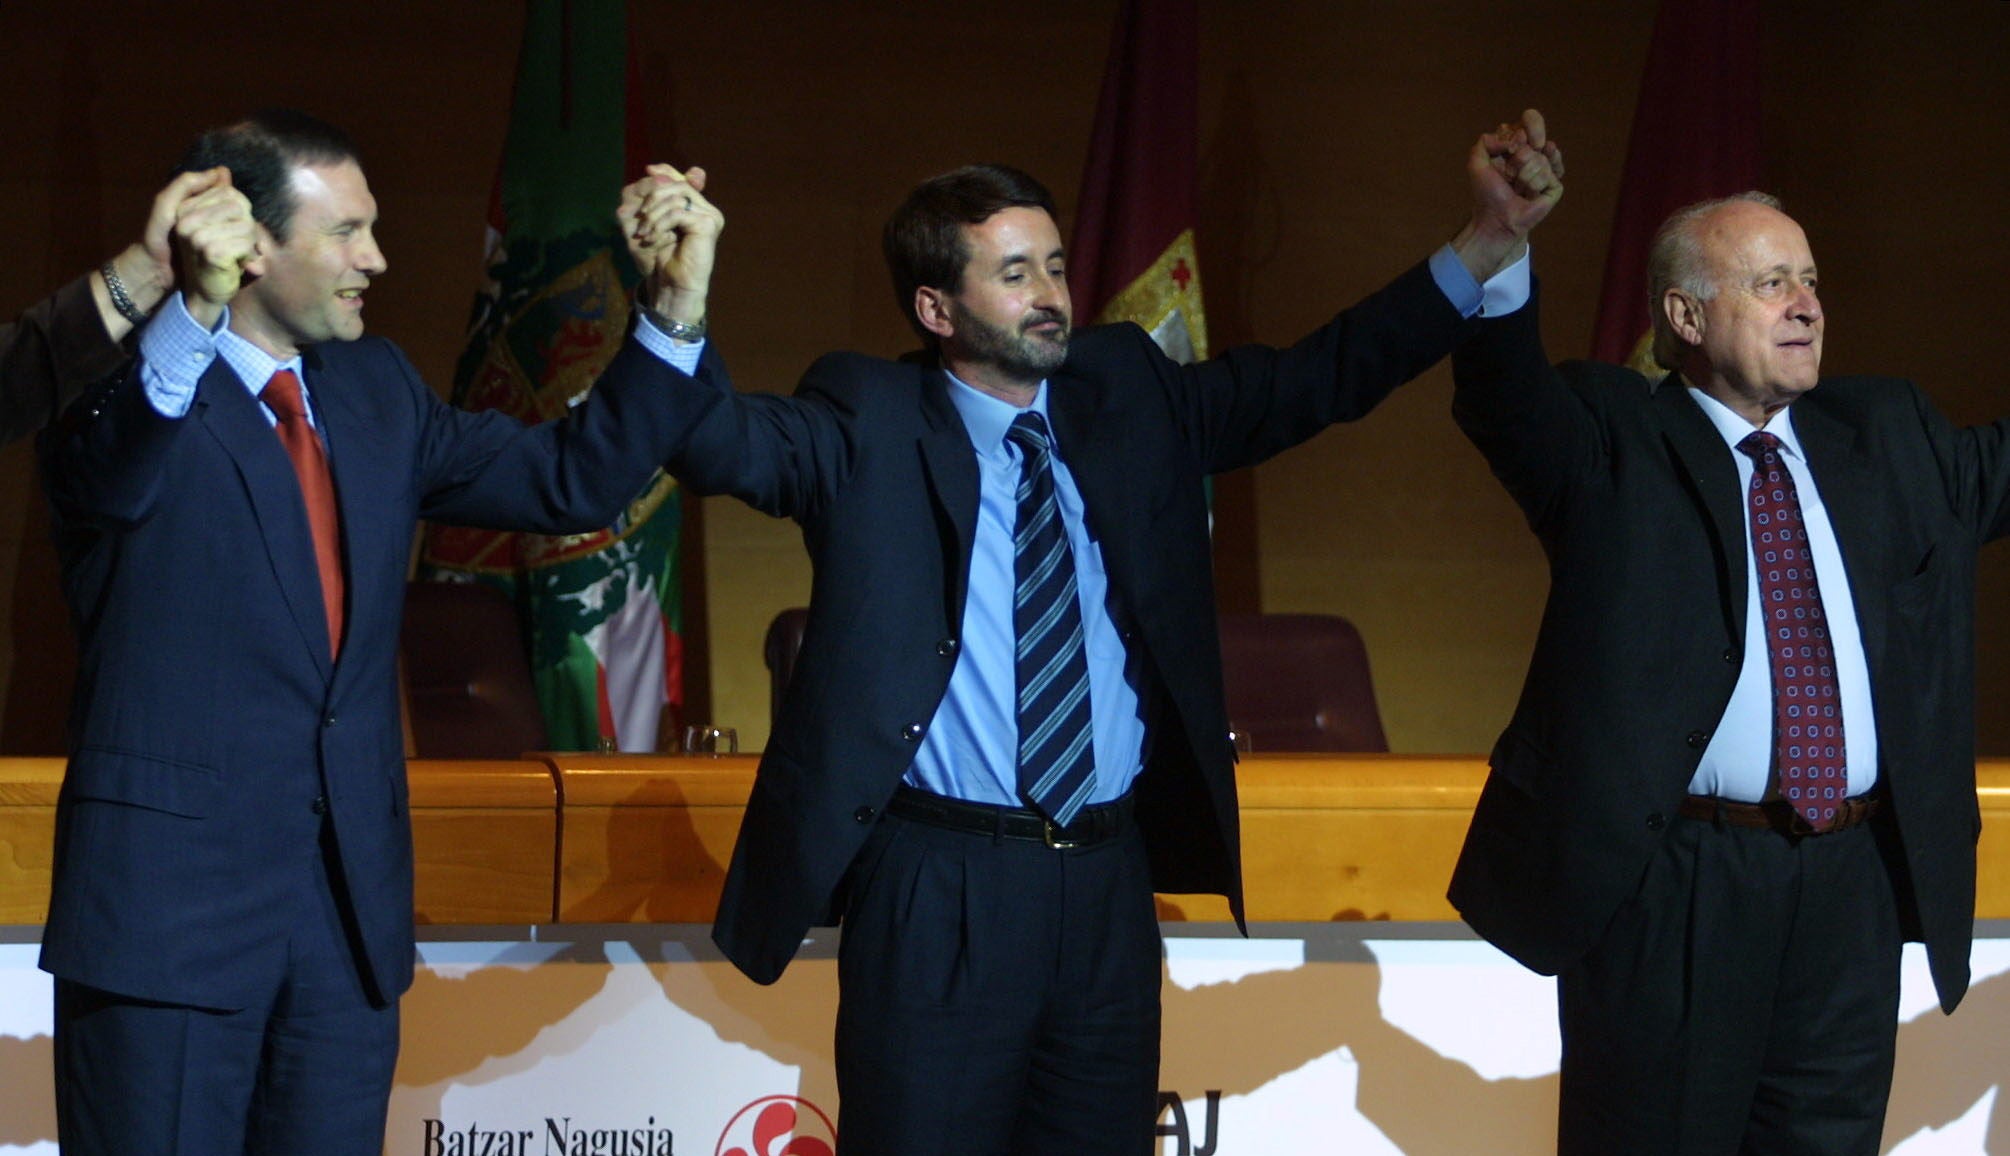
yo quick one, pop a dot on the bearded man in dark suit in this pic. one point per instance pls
(1005, 727)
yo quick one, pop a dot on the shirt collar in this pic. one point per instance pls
(253, 365)
(1736, 428)
(987, 418)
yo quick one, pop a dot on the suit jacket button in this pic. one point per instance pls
(1731, 654)
(912, 732)
(946, 647)
(320, 804)
(863, 814)
(1656, 821)
(1699, 739)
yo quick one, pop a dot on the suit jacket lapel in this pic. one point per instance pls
(1859, 513)
(231, 415)
(1089, 445)
(369, 493)
(951, 462)
(1713, 477)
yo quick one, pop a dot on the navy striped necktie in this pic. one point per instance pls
(1057, 764)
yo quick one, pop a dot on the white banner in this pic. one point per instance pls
(1367, 1038)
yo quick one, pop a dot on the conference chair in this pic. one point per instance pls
(1299, 682)
(1295, 682)
(468, 690)
(785, 638)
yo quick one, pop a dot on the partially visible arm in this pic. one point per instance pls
(1516, 173)
(58, 347)
(568, 476)
(673, 235)
(576, 473)
(145, 270)
(1975, 467)
(143, 283)
(783, 456)
(73, 338)
(1254, 402)
(1536, 432)
(104, 462)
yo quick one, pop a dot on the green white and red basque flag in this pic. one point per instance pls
(1132, 256)
(601, 611)
(1695, 137)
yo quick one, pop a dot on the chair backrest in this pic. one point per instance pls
(1295, 682)
(468, 686)
(785, 638)
(1299, 682)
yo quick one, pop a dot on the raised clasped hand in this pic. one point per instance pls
(1517, 176)
(214, 238)
(673, 235)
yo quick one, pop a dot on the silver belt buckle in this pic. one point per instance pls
(1048, 836)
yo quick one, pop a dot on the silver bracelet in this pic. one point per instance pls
(677, 330)
(121, 300)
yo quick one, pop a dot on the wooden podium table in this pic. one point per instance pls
(596, 838)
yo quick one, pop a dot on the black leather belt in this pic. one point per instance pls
(1092, 825)
(1778, 814)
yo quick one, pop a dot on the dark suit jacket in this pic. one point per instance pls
(58, 347)
(1637, 503)
(873, 460)
(210, 728)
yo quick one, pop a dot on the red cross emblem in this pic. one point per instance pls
(1181, 274)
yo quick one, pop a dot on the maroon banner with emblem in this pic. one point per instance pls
(1695, 136)
(1132, 255)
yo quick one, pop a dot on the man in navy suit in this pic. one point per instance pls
(231, 919)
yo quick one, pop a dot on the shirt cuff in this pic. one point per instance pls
(175, 351)
(1503, 293)
(681, 355)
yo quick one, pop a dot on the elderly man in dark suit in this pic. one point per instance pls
(1741, 773)
(1006, 728)
(231, 917)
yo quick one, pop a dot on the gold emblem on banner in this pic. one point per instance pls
(1165, 300)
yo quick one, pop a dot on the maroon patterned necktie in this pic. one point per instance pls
(1807, 702)
(317, 489)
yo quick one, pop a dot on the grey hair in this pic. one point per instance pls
(1676, 261)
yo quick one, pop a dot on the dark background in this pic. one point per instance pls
(1332, 141)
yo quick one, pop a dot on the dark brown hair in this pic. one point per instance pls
(923, 239)
(261, 152)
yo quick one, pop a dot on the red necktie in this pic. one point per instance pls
(317, 489)
(1807, 705)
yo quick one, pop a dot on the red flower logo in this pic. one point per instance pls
(778, 1126)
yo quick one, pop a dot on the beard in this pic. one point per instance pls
(1014, 352)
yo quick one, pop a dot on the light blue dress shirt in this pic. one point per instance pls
(176, 351)
(971, 747)
(1738, 762)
